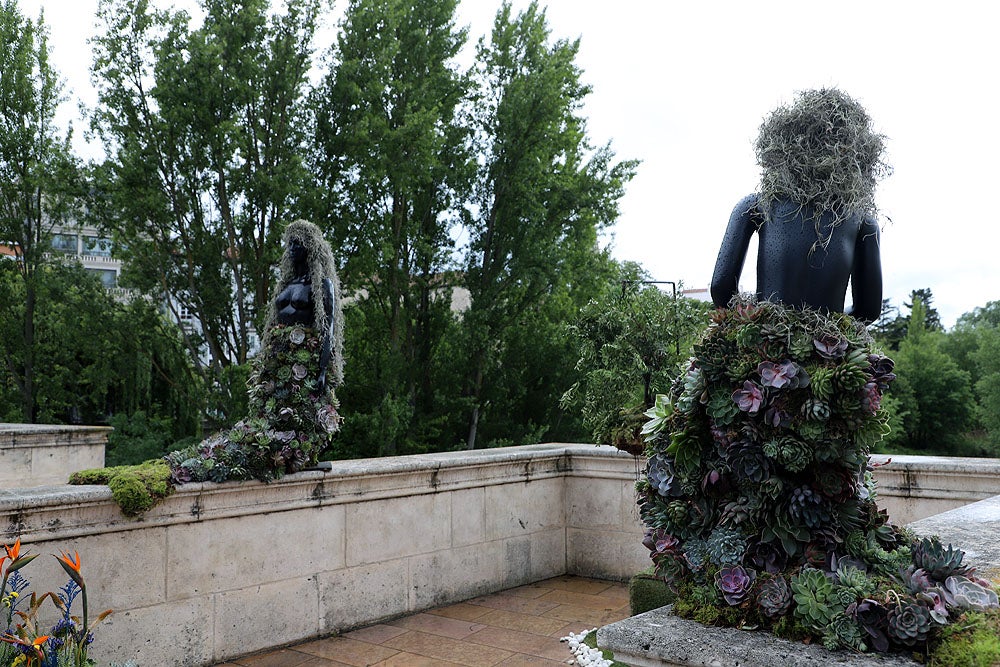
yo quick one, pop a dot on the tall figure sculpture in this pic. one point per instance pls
(757, 496)
(814, 213)
(292, 408)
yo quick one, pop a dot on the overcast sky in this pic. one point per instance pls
(684, 86)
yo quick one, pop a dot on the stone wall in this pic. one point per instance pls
(222, 570)
(915, 487)
(39, 454)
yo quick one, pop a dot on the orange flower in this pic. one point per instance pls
(71, 564)
(12, 552)
(40, 640)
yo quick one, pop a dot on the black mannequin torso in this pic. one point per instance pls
(793, 268)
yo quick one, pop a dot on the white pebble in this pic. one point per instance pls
(585, 656)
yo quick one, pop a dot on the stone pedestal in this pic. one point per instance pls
(43, 454)
(660, 639)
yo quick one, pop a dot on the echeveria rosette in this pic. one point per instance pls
(774, 597)
(659, 542)
(786, 375)
(734, 582)
(964, 593)
(662, 477)
(830, 346)
(750, 398)
(939, 562)
(909, 622)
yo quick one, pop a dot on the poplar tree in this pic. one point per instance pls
(392, 165)
(205, 130)
(541, 196)
(39, 178)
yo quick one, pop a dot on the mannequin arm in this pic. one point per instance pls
(743, 222)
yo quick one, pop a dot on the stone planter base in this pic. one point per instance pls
(658, 638)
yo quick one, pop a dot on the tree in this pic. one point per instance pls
(206, 130)
(392, 165)
(541, 194)
(631, 343)
(892, 327)
(97, 358)
(931, 389)
(39, 178)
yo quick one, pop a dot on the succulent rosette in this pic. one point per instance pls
(734, 583)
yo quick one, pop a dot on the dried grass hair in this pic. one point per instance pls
(822, 153)
(320, 262)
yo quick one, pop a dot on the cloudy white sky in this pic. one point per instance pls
(683, 87)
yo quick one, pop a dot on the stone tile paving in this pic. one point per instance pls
(519, 627)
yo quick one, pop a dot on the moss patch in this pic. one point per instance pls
(972, 641)
(646, 591)
(136, 488)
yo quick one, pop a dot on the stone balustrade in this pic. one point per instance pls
(222, 570)
(39, 454)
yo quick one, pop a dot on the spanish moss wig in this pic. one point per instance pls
(821, 152)
(321, 265)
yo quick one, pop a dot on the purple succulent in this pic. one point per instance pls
(775, 416)
(873, 619)
(297, 336)
(299, 372)
(715, 484)
(964, 593)
(830, 346)
(750, 398)
(775, 597)
(871, 398)
(786, 375)
(734, 583)
(880, 368)
(934, 599)
(766, 556)
(659, 542)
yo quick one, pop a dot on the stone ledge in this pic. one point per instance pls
(660, 639)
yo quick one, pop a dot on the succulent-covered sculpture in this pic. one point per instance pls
(758, 487)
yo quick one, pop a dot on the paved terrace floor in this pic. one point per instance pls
(514, 628)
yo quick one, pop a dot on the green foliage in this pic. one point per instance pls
(391, 164)
(931, 389)
(97, 358)
(137, 438)
(135, 488)
(205, 128)
(541, 193)
(630, 344)
(39, 183)
(972, 641)
(647, 591)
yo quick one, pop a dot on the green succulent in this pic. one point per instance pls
(815, 606)
(821, 382)
(772, 350)
(721, 406)
(855, 581)
(938, 562)
(815, 409)
(909, 622)
(748, 336)
(849, 378)
(741, 368)
(726, 546)
(677, 511)
(801, 348)
(843, 632)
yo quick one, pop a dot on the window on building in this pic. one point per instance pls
(97, 246)
(64, 243)
(108, 277)
(184, 314)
